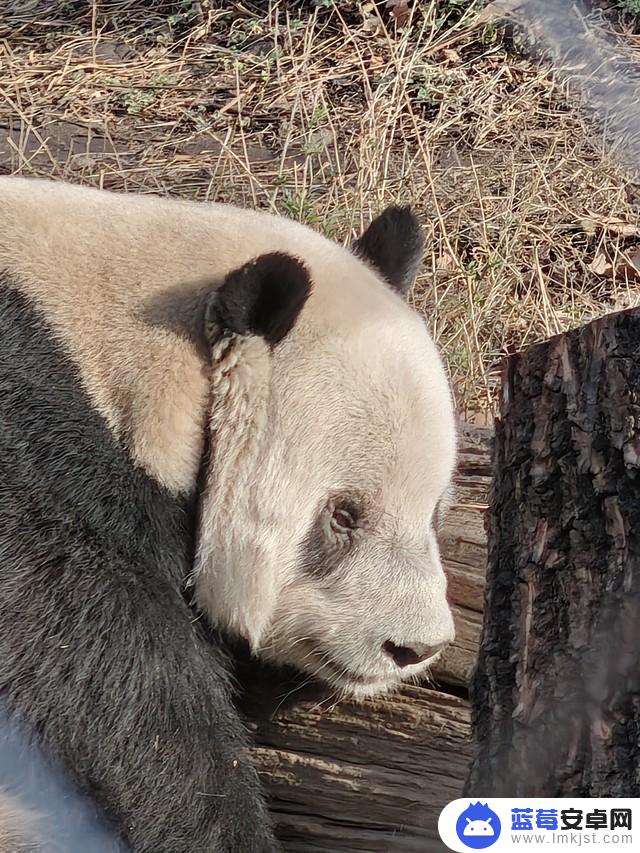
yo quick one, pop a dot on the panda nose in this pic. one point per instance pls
(410, 655)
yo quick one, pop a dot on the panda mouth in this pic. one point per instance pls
(323, 666)
(354, 684)
(341, 672)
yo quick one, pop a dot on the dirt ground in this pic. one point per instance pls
(325, 112)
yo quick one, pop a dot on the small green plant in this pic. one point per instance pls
(199, 118)
(471, 269)
(183, 18)
(110, 80)
(450, 11)
(632, 6)
(318, 118)
(424, 91)
(313, 147)
(137, 100)
(268, 64)
(299, 206)
(165, 79)
(458, 358)
(489, 33)
(427, 84)
(330, 227)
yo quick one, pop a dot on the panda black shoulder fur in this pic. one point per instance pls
(194, 396)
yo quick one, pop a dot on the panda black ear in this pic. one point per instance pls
(264, 297)
(393, 244)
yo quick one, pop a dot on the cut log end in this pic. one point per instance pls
(555, 694)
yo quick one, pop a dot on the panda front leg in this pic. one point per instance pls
(120, 691)
(99, 660)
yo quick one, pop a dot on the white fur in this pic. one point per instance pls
(17, 826)
(355, 396)
(385, 427)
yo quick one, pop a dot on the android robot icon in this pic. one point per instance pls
(478, 826)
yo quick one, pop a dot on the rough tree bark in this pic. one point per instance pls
(373, 777)
(556, 695)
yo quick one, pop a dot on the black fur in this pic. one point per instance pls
(99, 657)
(393, 244)
(264, 297)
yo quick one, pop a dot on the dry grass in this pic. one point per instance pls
(327, 113)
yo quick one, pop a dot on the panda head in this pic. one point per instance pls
(331, 447)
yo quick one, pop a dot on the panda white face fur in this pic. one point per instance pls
(328, 448)
(317, 540)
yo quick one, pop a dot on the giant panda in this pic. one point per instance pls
(208, 416)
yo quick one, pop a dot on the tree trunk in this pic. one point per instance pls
(374, 776)
(556, 695)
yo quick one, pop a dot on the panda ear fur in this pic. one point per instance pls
(264, 297)
(393, 244)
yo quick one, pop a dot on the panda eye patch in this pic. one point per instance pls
(335, 530)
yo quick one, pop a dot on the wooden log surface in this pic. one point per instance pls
(463, 542)
(556, 704)
(374, 776)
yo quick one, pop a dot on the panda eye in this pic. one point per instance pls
(343, 520)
